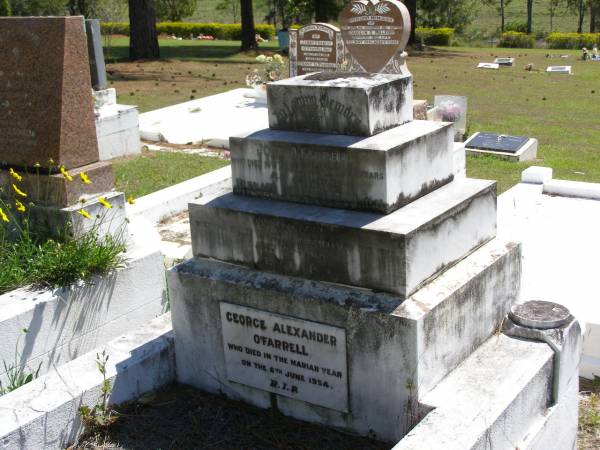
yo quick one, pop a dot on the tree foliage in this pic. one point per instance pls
(455, 14)
(175, 10)
(38, 7)
(5, 9)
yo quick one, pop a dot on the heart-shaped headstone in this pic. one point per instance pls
(374, 31)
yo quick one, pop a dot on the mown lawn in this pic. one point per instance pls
(152, 171)
(561, 111)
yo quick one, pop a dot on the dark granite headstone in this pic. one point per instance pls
(498, 142)
(375, 31)
(46, 105)
(315, 48)
(96, 54)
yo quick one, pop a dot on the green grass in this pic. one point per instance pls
(560, 111)
(153, 171)
(52, 264)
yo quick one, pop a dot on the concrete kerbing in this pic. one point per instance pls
(44, 413)
(174, 199)
(536, 175)
(576, 189)
(66, 323)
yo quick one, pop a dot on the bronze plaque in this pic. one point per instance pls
(315, 48)
(375, 31)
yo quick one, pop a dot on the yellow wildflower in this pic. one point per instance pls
(37, 165)
(3, 216)
(20, 206)
(84, 178)
(104, 203)
(84, 214)
(131, 200)
(19, 191)
(15, 175)
(65, 173)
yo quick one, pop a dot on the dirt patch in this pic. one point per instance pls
(589, 415)
(183, 418)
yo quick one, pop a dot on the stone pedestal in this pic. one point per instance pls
(340, 103)
(380, 173)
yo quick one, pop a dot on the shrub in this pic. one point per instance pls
(5, 8)
(435, 36)
(519, 27)
(514, 39)
(225, 31)
(572, 40)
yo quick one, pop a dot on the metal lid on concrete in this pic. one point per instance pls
(540, 314)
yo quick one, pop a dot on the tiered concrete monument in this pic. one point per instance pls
(352, 317)
(47, 118)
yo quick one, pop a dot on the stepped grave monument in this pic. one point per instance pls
(348, 279)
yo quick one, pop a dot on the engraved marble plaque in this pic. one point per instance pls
(375, 31)
(295, 358)
(316, 47)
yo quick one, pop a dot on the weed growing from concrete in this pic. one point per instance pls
(27, 259)
(17, 375)
(100, 415)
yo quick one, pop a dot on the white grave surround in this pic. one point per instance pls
(565, 70)
(117, 126)
(488, 66)
(526, 153)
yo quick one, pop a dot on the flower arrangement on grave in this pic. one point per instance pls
(271, 71)
(450, 111)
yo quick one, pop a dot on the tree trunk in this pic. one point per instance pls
(594, 13)
(320, 11)
(581, 16)
(248, 31)
(412, 9)
(143, 40)
(529, 16)
(502, 16)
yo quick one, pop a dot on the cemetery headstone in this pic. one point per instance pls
(374, 32)
(488, 66)
(315, 48)
(46, 106)
(96, 54)
(498, 142)
(567, 70)
(47, 123)
(504, 61)
(513, 148)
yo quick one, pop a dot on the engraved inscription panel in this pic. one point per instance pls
(374, 31)
(317, 49)
(295, 358)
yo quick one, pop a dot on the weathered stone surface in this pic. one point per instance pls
(395, 253)
(56, 190)
(380, 173)
(373, 32)
(96, 54)
(317, 47)
(46, 107)
(394, 347)
(340, 103)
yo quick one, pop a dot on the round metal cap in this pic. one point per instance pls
(539, 314)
